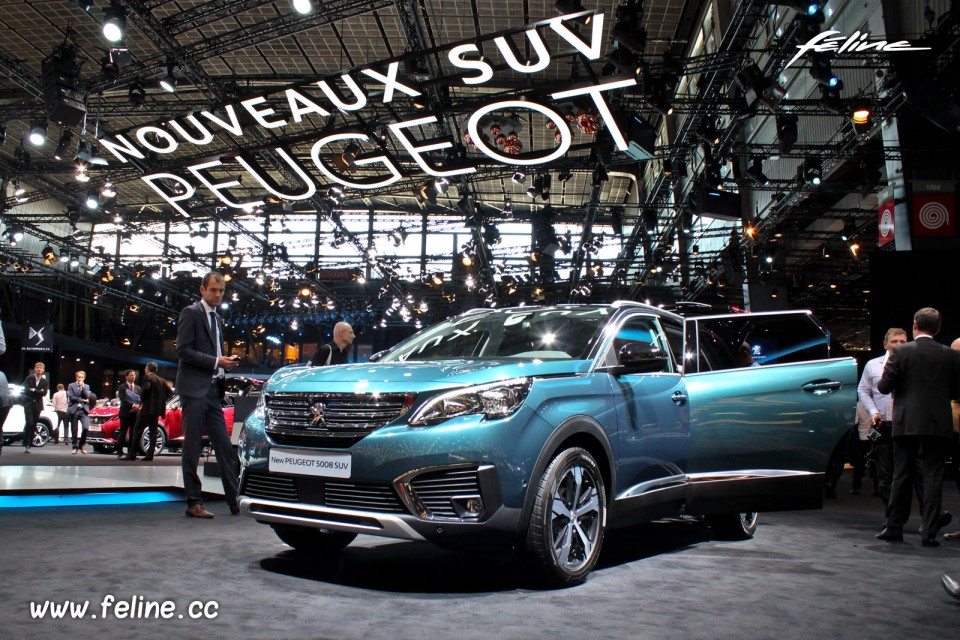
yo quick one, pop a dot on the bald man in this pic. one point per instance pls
(335, 352)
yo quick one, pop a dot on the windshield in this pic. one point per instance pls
(536, 333)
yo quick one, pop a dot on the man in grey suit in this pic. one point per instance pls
(199, 383)
(923, 377)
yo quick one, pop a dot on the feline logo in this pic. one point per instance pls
(856, 43)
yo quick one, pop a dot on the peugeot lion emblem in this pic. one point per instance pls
(317, 418)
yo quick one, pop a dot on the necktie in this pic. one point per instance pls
(216, 340)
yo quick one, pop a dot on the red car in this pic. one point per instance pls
(105, 420)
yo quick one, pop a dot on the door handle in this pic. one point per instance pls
(821, 388)
(679, 398)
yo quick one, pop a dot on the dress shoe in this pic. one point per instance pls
(891, 534)
(74, 452)
(198, 511)
(234, 509)
(146, 459)
(83, 451)
(955, 536)
(950, 586)
(27, 450)
(929, 542)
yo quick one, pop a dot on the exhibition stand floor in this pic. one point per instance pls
(813, 574)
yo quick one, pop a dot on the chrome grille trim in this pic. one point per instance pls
(429, 493)
(323, 492)
(270, 487)
(346, 417)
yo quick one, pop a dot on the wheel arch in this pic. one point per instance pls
(576, 431)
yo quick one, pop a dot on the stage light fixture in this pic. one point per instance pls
(92, 200)
(37, 134)
(169, 82)
(849, 228)
(114, 25)
(802, 6)
(862, 116)
(519, 177)
(787, 131)
(649, 220)
(398, 236)
(49, 256)
(66, 139)
(303, 7)
(755, 172)
(137, 95)
(18, 189)
(813, 171)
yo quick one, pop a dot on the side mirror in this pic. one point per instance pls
(642, 357)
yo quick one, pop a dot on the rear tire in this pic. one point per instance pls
(316, 542)
(41, 434)
(734, 526)
(160, 444)
(569, 518)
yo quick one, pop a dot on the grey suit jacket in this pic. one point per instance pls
(923, 376)
(197, 352)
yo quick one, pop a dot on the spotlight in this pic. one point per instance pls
(66, 139)
(85, 5)
(114, 24)
(169, 82)
(398, 236)
(303, 7)
(625, 62)
(755, 172)
(813, 171)
(849, 228)
(564, 174)
(802, 6)
(599, 176)
(108, 190)
(441, 185)
(862, 116)
(137, 95)
(519, 177)
(787, 131)
(49, 255)
(649, 220)
(38, 133)
(821, 72)
(18, 189)
(92, 200)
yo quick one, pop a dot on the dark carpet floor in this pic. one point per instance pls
(806, 575)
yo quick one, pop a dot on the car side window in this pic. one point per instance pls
(743, 341)
(636, 329)
(674, 332)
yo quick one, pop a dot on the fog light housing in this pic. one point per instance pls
(469, 507)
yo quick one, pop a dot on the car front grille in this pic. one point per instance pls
(436, 489)
(322, 492)
(330, 420)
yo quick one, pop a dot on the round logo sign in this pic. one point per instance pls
(934, 215)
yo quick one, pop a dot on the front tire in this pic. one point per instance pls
(316, 542)
(734, 526)
(569, 518)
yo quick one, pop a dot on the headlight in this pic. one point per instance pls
(494, 400)
(261, 409)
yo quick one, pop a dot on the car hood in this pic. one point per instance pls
(403, 377)
(104, 411)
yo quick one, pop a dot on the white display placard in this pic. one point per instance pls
(328, 465)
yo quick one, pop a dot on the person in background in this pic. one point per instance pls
(923, 377)
(335, 351)
(35, 386)
(859, 445)
(153, 404)
(60, 404)
(880, 407)
(81, 399)
(129, 396)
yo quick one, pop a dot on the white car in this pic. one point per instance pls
(13, 425)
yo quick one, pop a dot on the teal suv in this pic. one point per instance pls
(542, 427)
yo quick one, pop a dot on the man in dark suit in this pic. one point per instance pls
(153, 400)
(80, 400)
(923, 376)
(129, 395)
(200, 384)
(35, 387)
